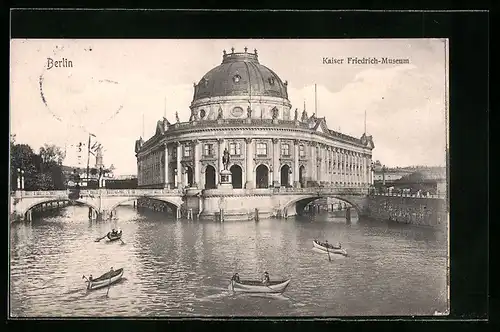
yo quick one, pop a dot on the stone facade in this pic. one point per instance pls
(243, 106)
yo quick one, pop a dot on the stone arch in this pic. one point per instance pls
(171, 204)
(50, 200)
(296, 205)
(190, 175)
(262, 176)
(285, 171)
(302, 176)
(236, 176)
(210, 174)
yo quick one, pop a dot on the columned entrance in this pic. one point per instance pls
(237, 176)
(302, 174)
(210, 177)
(262, 176)
(285, 176)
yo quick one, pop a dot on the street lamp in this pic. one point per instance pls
(20, 179)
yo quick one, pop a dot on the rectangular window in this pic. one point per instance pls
(187, 150)
(285, 149)
(208, 150)
(235, 149)
(261, 149)
(302, 151)
(174, 153)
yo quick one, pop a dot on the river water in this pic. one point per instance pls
(183, 268)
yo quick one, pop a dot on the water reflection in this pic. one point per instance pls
(177, 268)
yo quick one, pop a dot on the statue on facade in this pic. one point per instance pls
(249, 112)
(275, 113)
(225, 159)
(177, 117)
(296, 114)
(304, 115)
(219, 116)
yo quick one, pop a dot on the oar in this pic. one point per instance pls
(99, 239)
(109, 285)
(328, 251)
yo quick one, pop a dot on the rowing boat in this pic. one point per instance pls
(114, 237)
(330, 249)
(105, 280)
(256, 286)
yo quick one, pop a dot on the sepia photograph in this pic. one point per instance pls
(228, 178)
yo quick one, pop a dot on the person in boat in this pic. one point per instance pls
(236, 277)
(111, 270)
(266, 279)
(90, 278)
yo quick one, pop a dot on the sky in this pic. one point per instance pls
(118, 90)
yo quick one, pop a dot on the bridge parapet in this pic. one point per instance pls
(322, 191)
(51, 193)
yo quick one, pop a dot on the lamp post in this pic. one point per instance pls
(18, 187)
(176, 176)
(383, 175)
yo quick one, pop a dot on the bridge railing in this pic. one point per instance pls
(323, 190)
(97, 192)
(438, 196)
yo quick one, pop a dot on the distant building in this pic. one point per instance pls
(432, 180)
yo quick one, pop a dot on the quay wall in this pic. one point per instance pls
(409, 210)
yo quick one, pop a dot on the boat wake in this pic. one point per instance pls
(332, 255)
(217, 296)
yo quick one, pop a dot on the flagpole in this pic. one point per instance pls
(365, 122)
(316, 102)
(88, 162)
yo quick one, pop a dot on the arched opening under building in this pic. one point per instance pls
(262, 176)
(189, 172)
(237, 176)
(285, 176)
(209, 177)
(302, 175)
(329, 206)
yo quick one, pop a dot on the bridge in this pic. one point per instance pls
(270, 201)
(240, 204)
(101, 201)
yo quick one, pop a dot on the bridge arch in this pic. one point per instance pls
(170, 203)
(297, 205)
(32, 205)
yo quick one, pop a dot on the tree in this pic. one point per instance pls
(21, 157)
(52, 153)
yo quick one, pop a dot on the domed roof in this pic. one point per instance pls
(240, 74)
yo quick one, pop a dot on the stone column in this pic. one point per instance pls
(330, 165)
(344, 167)
(197, 164)
(179, 166)
(166, 168)
(221, 154)
(249, 164)
(276, 162)
(314, 163)
(296, 182)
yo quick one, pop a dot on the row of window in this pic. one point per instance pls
(235, 150)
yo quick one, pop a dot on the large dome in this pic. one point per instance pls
(240, 74)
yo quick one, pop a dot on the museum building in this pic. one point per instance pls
(242, 107)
